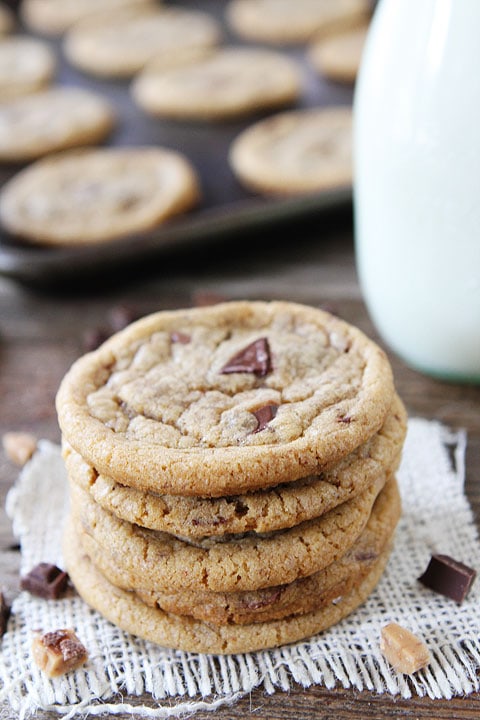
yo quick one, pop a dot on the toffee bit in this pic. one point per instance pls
(19, 446)
(255, 359)
(405, 652)
(58, 651)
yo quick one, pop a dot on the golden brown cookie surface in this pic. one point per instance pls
(262, 511)
(223, 399)
(295, 152)
(271, 603)
(293, 21)
(121, 45)
(228, 83)
(126, 610)
(79, 197)
(51, 120)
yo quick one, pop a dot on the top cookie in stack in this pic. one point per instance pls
(232, 474)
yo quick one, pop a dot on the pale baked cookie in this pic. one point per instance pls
(338, 57)
(295, 152)
(227, 398)
(97, 195)
(51, 120)
(126, 610)
(26, 65)
(53, 17)
(120, 45)
(227, 83)
(261, 511)
(293, 21)
(272, 603)
(152, 560)
(7, 20)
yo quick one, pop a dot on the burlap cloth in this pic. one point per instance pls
(436, 518)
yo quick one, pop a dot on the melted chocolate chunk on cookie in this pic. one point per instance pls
(255, 359)
(264, 415)
(46, 581)
(448, 577)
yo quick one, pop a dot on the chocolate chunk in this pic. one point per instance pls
(180, 337)
(4, 614)
(264, 415)
(255, 359)
(448, 577)
(46, 581)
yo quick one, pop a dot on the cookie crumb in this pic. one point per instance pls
(405, 652)
(58, 652)
(19, 446)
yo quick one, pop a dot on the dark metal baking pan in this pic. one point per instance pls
(225, 208)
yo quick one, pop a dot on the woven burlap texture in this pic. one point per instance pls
(436, 519)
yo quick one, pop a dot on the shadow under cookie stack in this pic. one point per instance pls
(232, 474)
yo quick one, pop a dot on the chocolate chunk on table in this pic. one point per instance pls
(448, 577)
(4, 614)
(46, 581)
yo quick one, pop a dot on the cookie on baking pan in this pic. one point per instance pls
(261, 511)
(274, 602)
(26, 65)
(127, 610)
(80, 197)
(229, 82)
(52, 120)
(295, 152)
(53, 17)
(121, 45)
(338, 57)
(250, 561)
(293, 21)
(225, 399)
(7, 20)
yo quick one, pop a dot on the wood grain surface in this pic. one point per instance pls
(41, 334)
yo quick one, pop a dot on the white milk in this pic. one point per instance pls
(417, 182)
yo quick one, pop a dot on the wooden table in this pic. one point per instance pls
(42, 333)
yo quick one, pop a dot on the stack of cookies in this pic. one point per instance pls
(232, 474)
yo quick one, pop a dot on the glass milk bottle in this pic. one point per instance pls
(417, 182)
